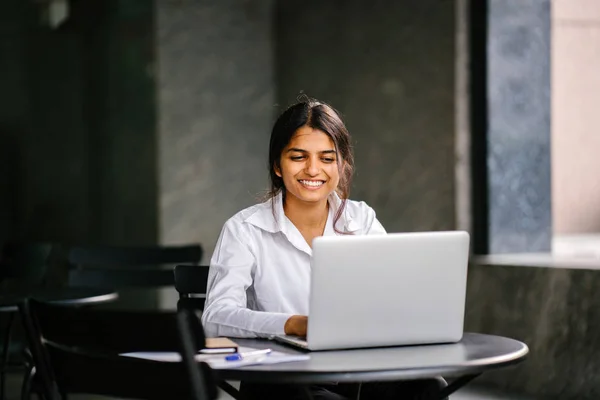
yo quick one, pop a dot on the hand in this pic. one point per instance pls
(296, 325)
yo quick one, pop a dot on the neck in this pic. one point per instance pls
(306, 215)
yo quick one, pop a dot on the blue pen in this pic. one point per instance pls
(241, 356)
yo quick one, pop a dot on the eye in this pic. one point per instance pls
(296, 158)
(328, 159)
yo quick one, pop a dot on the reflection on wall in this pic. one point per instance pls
(216, 93)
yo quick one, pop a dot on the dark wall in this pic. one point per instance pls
(12, 109)
(388, 67)
(120, 96)
(77, 125)
(41, 130)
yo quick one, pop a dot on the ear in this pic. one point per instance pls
(277, 170)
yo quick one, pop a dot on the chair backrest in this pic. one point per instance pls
(116, 278)
(110, 266)
(190, 283)
(24, 262)
(76, 350)
(134, 256)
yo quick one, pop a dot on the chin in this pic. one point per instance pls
(310, 197)
(314, 197)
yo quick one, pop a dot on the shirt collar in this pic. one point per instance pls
(270, 216)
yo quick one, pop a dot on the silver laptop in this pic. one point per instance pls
(386, 290)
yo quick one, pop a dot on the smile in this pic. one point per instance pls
(311, 184)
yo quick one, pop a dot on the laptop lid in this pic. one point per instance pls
(387, 290)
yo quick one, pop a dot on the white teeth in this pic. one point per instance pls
(311, 183)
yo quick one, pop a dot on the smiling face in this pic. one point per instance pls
(309, 166)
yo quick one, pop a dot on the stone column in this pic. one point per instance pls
(518, 137)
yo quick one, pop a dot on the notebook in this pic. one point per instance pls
(219, 345)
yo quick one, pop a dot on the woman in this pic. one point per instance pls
(260, 270)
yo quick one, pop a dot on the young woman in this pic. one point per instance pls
(260, 270)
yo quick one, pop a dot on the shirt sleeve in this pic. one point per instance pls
(374, 227)
(226, 311)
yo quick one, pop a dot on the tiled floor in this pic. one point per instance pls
(471, 392)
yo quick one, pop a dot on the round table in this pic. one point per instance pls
(68, 296)
(465, 360)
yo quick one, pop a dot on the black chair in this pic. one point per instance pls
(22, 266)
(114, 267)
(77, 351)
(135, 256)
(196, 372)
(190, 283)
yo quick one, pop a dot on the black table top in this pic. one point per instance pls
(67, 295)
(474, 354)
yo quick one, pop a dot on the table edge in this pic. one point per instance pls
(102, 298)
(474, 367)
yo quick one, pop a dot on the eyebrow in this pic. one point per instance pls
(304, 151)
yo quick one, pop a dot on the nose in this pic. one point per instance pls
(312, 166)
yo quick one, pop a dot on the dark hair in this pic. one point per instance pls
(321, 116)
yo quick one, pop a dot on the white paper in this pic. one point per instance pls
(218, 361)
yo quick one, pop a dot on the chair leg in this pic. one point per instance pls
(455, 385)
(230, 390)
(27, 382)
(29, 379)
(5, 350)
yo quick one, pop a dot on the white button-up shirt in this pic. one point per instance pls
(260, 270)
